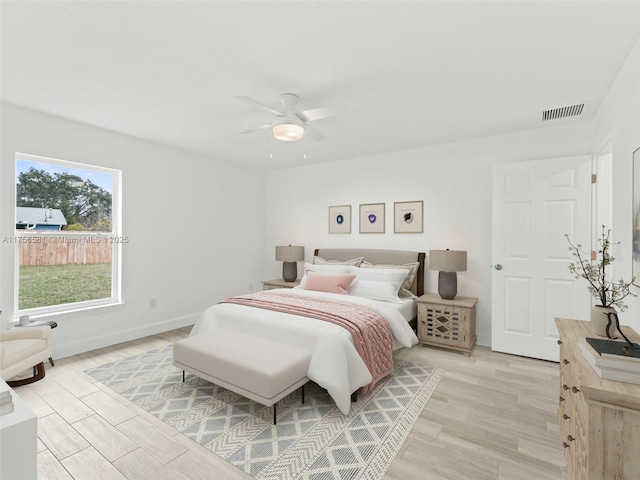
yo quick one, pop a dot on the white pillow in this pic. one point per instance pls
(405, 289)
(378, 283)
(333, 268)
(354, 261)
(384, 291)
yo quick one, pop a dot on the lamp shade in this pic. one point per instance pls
(448, 260)
(289, 253)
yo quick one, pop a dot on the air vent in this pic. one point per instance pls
(563, 112)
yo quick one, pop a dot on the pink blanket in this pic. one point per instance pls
(371, 333)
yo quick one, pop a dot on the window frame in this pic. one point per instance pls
(115, 237)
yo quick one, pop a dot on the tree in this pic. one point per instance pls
(81, 201)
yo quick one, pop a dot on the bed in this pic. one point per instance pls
(335, 362)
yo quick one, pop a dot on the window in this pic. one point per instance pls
(67, 235)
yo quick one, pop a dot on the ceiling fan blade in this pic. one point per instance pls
(313, 133)
(323, 112)
(261, 127)
(261, 106)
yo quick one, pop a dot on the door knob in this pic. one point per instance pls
(498, 267)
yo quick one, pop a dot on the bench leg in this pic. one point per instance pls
(274, 406)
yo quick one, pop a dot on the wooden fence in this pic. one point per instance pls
(64, 250)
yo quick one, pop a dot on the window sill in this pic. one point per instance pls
(75, 312)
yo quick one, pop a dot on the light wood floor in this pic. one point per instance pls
(493, 416)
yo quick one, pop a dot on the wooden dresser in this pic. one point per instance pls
(599, 419)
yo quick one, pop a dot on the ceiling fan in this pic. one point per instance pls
(290, 124)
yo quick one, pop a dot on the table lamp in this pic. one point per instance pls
(448, 262)
(290, 256)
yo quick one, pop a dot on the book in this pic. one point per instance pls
(615, 349)
(608, 372)
(6, 408)
(5, 390)
(617, 375)
(608, 361)
(628, 354)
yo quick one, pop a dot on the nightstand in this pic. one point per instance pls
(279, 283)
(447, 323)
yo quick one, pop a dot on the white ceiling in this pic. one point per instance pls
(411, 73)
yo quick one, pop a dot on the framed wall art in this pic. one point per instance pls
(372, 218)
(407, 217)
(636, 214)
(340, 219)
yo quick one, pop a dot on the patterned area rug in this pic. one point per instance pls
(313, 440)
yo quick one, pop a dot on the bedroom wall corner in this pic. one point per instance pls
(195, 227)
(617, 123)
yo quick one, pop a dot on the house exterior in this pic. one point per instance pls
(42, 219)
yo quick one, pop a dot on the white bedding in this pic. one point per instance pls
(408, 309)
(335, 364)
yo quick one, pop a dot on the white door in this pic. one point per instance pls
(534, 205)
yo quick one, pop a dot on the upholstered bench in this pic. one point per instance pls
(255, 368)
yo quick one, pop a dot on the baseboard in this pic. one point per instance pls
(94, 343)
(86, 345)
(484, 340)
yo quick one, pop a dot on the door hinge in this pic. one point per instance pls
(594, 178)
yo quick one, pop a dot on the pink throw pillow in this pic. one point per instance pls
(329, 282)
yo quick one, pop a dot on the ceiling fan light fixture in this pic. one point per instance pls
(287, 130)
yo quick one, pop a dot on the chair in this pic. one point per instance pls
(22, 349)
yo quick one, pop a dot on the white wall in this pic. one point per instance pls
(453, 180)
(195, 226)
(188, 268)
(618, 122)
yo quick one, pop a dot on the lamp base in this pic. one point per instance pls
(289, 271)
(448, 285)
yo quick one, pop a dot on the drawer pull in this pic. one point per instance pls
(565, 416)
(575, 390)
(559, 342)
(566, 362)
(570, 438)
(564, 387)
(565, 444)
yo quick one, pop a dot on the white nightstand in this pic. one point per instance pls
(447, 323)
(279, 283)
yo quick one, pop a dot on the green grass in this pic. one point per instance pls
(58, 284)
